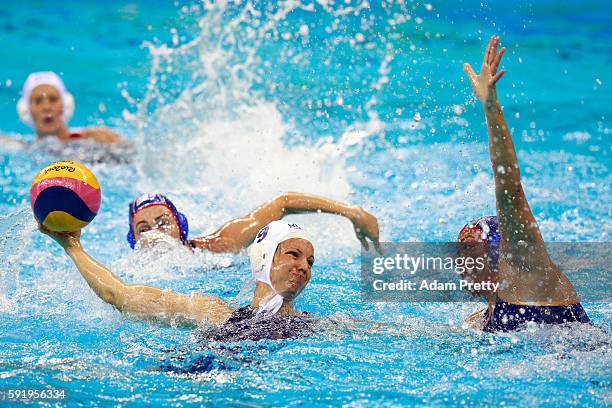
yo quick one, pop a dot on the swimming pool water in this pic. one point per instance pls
(232, 103)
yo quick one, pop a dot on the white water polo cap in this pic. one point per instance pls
(262, 253)
(43, 78)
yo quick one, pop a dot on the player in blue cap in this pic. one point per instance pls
(533, 288)
(156, 212)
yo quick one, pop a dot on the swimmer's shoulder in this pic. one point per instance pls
(100, 134)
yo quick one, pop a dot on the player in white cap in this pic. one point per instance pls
(281, 260)
(47, 106)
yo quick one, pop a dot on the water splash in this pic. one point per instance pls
(15, 231)
(218, 110)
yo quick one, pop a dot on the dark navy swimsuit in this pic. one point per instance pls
(245, 324)
(509, 317)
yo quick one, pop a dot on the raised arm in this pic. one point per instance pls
(239, 233)
(516, 221)
(528, 273)
(147, 302)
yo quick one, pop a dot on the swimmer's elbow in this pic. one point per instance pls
(116, 297)
(286, 202)
(109, 297)
(280, 202)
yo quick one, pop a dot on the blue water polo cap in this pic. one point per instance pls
(148, 200)
(488, 226)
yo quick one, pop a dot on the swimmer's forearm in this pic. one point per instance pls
(501, 146)
(102, 281)
(147, 302)
(239, 233)
(294, 203)
(517, 222)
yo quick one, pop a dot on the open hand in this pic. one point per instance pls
(366, 226)
(483, 84)
(65, 239)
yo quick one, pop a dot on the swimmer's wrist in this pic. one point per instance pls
(492, 106)
(72, 244)
(353, 212)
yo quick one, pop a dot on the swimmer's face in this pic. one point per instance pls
(155, 217)
(475, 246)
(291, 267)
(46, 108)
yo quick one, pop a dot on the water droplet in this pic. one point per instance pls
(457, 109)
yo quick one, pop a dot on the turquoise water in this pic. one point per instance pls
(231, 105)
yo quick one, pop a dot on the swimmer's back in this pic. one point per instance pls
(245, 324)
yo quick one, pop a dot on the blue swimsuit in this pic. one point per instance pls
(245, 324)
(509, 317)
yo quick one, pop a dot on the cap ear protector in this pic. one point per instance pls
(183, 225)
(156, 199)
(23, 109)
(262, 253)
